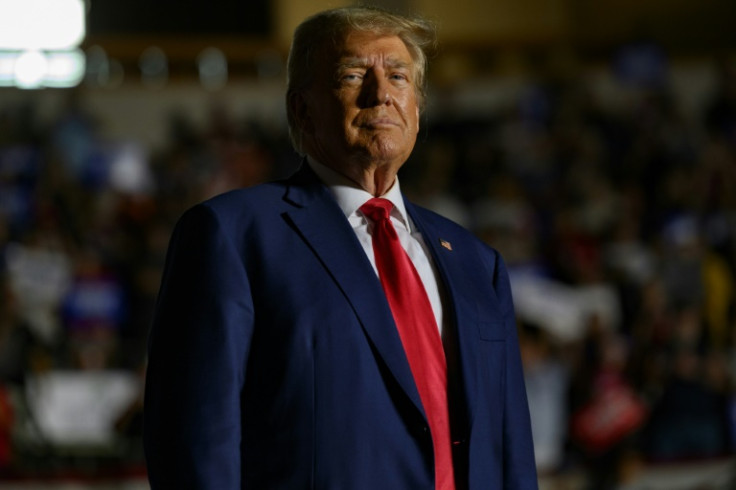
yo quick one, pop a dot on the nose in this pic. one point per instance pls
(376, 90)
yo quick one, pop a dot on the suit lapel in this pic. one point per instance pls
(460, 308)
(320, 222)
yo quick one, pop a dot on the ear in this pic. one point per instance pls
(298, 111)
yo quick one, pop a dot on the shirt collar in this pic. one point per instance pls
(350, 197)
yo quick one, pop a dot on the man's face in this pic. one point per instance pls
(361, 109)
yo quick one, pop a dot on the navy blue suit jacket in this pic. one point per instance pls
(275, 363)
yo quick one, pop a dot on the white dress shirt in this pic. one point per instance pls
(350, 198)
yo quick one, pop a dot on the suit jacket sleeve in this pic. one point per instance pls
(519, 466)
(197, 355)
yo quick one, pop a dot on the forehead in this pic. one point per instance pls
(369, 47)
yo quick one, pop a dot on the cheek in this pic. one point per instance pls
(326, 109)
(410, 108)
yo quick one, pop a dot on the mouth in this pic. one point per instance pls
(379, 123)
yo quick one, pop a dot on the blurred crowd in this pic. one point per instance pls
(618, 226)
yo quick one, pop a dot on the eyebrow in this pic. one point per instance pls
(357, 62)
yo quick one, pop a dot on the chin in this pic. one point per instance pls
(383, 150)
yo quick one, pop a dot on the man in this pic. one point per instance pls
(296, 345)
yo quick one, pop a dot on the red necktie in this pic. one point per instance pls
(418, 331)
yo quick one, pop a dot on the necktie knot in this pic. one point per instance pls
(377, 209)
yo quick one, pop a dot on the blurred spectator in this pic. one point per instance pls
(689, 420)
(607, 411)
(505, 219)
(93, 311)
(433, 182)
(39, 273)
(720, 113)
(547, 384)
(6, 429)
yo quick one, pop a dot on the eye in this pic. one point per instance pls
(399, 76)
(352, 77)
